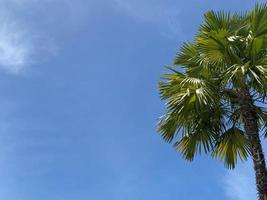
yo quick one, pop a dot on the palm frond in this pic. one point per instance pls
(194, 143)
(231, 146)
(203, 106)
(258, 20)
(216, 21)
(187, 55)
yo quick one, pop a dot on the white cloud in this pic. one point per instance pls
(22, 43)
(15, 47)
(18, 42)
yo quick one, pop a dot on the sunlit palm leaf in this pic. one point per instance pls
(203, 112)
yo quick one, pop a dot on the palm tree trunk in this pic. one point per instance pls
(252, 132)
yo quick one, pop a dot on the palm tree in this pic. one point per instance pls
(215, 101)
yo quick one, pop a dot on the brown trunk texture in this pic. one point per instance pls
(252, 132)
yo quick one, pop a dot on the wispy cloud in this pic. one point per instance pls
(22, 43)
(15, 46)
(18, 41)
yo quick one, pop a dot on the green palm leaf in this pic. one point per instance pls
(231, 146)
(203, 101)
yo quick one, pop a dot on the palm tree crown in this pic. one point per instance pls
(223, 67)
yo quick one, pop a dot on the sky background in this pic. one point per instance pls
(79, 102)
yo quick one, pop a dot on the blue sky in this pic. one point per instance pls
(79, 102)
